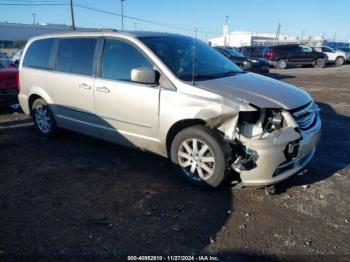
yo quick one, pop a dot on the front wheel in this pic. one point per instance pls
(199, 156)
(320, 63)
(43, 118)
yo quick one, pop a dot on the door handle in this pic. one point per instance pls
(84, 86)
(103, 89)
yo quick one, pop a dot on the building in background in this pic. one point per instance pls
(13, 36)
(243, 38)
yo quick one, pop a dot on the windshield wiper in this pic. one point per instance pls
(204, 76)
(218, 75)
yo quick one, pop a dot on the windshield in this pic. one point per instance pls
(233, 52)
(189, 58)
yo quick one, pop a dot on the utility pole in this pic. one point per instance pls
(34, 21)
(277, 37)
(135, 24)
(72, 14)
(122, 9)
(226, 21)
(302, 37)
(195, 32)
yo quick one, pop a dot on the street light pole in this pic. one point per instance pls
(72, 14)
(122, 7)
(34, 18)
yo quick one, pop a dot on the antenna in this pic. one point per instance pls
(193, 55)
(193, 42)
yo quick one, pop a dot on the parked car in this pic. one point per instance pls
(347, 53)
(8, 85)
(255, 65)
(281, 56)
(174, 96)
(17, 57)
(7, 62)
(252, 51)
(336, 57)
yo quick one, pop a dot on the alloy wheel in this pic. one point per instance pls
(196, 159)
(42, 119)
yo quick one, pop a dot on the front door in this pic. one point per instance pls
(128, 111)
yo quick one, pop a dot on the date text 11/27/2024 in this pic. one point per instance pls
(173, 258)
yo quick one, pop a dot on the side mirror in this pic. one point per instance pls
(144, 75)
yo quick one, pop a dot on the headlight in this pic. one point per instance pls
(276, 119)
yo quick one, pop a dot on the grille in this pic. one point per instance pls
(307, 116)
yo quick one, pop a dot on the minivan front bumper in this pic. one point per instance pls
(271, 165)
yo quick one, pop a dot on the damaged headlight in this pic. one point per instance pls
(249, 116)
(274, 120)
(277, 119)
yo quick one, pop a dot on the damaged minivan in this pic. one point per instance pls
(174, 96)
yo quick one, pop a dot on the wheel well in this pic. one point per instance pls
(177, 127)
(32, 98)
(285, 59)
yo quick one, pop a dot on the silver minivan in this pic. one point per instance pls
(174, 96)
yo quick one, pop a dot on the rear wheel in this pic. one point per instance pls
(43, 118)
(281, 64)
(199, 156)
(339, 61)
(320, 63)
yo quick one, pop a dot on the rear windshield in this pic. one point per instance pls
(233, 52)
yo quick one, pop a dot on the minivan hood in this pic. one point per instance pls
(259, 90)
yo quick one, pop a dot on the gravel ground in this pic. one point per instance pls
(78, 198)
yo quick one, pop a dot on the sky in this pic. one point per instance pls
(313, 17)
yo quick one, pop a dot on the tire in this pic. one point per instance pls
(202, 167)
(339, 61)
(281, 64)
(43, 118)
(320, 63)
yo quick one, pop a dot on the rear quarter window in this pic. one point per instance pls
(38, 54)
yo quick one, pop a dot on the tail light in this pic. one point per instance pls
(18, 83)
(270, 54)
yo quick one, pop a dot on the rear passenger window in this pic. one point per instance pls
(76, 55)
(119, 58)
(38, 54)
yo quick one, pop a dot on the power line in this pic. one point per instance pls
(33, 4)
(67, 3)
(144, 20)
